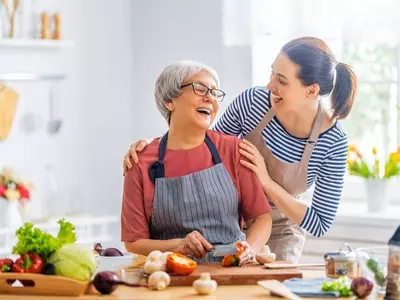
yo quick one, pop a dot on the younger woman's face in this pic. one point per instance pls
(287, 91)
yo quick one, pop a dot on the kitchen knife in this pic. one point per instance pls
(224, 250)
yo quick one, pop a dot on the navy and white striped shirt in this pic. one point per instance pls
(327, 164)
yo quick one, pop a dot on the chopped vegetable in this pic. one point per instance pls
(6, 265)
(28, 263)
(33, 240)
(231, 261)
(234, 260)
(341, 285)
(180, 264)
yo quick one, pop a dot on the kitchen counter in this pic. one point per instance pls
(222, 292)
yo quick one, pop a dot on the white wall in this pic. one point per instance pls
(166, 31)
(107, 101)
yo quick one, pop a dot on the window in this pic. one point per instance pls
(364, 34)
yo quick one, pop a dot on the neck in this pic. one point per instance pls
(299, 123)
(180, 138)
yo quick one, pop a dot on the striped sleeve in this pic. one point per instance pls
(320, 215)
(231, 122)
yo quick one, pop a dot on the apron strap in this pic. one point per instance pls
(266, 119)
(157, 169)
(315, 131)
(214, 152)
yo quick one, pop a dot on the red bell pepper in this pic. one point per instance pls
(234, 260)
(231, 261)
(28, 263)
(180, 264)
(6, 265)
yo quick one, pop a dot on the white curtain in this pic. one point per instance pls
(370, 20)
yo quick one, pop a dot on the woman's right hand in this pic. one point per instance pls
(132, 153)
(194, 244)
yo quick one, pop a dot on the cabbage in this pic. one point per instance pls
(74, 261)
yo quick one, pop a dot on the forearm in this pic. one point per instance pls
(294, 210)
(145, 246)
(259, 231)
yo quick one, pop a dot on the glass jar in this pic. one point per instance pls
(341, 263)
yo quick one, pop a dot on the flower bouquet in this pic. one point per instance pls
(376, 174)
(359, 166)
(13, 188)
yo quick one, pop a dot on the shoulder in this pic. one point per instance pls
(255, 93)
(223, 140)
(146, 157)
(334, 141)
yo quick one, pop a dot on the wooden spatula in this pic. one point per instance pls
(278, 288)
(291, 266)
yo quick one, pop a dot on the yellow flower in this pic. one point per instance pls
(353, 149)
(395, 156)
(12, 194)
(374, 151)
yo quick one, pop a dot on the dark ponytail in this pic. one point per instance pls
(317, 64)
(343, 93)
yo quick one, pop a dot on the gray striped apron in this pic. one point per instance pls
(206, 201)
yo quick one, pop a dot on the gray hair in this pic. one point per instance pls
(170, 80)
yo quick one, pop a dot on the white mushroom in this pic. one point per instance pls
(265, 255)
(153, 264)
(155, 253)
(164, 256)
(204, 285)
(159, 280)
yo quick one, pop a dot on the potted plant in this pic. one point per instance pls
(376, 176)
(14, 193)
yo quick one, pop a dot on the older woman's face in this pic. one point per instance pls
(192, 110)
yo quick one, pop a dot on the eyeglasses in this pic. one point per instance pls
(202, 90)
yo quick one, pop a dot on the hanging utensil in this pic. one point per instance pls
(8, 107)
(53, 125)
(30, 122)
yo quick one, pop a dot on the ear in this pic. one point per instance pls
(170, 106)
(312, 91)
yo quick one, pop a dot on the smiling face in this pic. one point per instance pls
(190, 110)
(287, 91)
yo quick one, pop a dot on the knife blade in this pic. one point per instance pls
(223, 250)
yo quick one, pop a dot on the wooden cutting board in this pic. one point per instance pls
(245, 275)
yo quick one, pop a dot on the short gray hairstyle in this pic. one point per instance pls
(171, 78)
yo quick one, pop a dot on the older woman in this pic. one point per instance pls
(189, 191)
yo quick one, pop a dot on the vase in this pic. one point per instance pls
(10, 214)
(376, 192)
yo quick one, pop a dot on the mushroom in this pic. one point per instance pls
(164, 256)
(159, 280)
(153, 264)
(204, 285)
(155, 253)
(265, 255)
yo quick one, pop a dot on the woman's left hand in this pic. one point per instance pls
(257, 163)
(248, 256)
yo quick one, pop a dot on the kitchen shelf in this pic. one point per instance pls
(35, 44)
(31, 77)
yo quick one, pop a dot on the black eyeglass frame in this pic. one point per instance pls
(219, 98)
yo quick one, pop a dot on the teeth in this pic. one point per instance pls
(204, 111)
